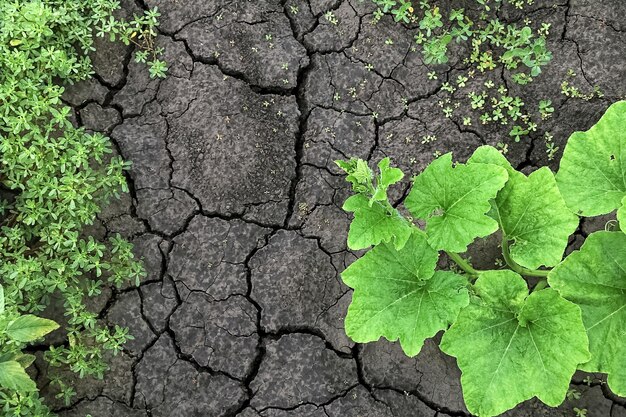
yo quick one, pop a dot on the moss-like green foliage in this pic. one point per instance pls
(54, 178)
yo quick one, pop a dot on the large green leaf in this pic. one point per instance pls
(1, 299)
(454, 201)
(13, 377)
(29, 328)
(512, 346)
(595, 278)
(531, 213)
(398, 295)
(592, 174)
(372, 224)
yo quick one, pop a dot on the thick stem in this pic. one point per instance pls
(463, 264)
(541, 285)
(515, 266)
(467, 267)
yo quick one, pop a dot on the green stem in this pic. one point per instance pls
(541, 285)
(517, 267)
(463, 264)
(466, 266)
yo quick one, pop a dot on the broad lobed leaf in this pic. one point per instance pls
(454, 201)
(531, 212)
(512, 346)
(594, 277)
(592, 173)
(398, 295)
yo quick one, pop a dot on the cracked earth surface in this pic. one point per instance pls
(235, 202)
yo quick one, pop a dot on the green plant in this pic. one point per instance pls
(519, 46)
(545, 109)
(511, 344)
(16, 330)
(573, 394)
(54, 178)
(492, 44)
(331, 18)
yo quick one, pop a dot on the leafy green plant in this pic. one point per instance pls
(512, 343)
(16, 331)
(519, 47)
(54, 178)
(521, 50)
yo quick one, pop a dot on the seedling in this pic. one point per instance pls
(330, 17)
(546, 109)
(512, 340)
(573, 394)
(580, 412)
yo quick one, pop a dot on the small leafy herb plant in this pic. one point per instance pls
(54, 179)
(511, 343)
(491, 41)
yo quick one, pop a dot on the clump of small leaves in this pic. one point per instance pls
(520, 331)
(493, 45)
(496, 106)
(492, 42)
(54, 178)
(331, 18)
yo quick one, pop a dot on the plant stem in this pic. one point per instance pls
(541, 285)
(463, 264)
(515, 266)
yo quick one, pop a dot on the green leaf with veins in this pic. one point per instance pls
(372, 224)
(454, 201)
(595, 278)
(621, 215)
(29, 328)
(398, 295)
(13, 377)
(592, 174)
(531, 213)
(511, 346)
